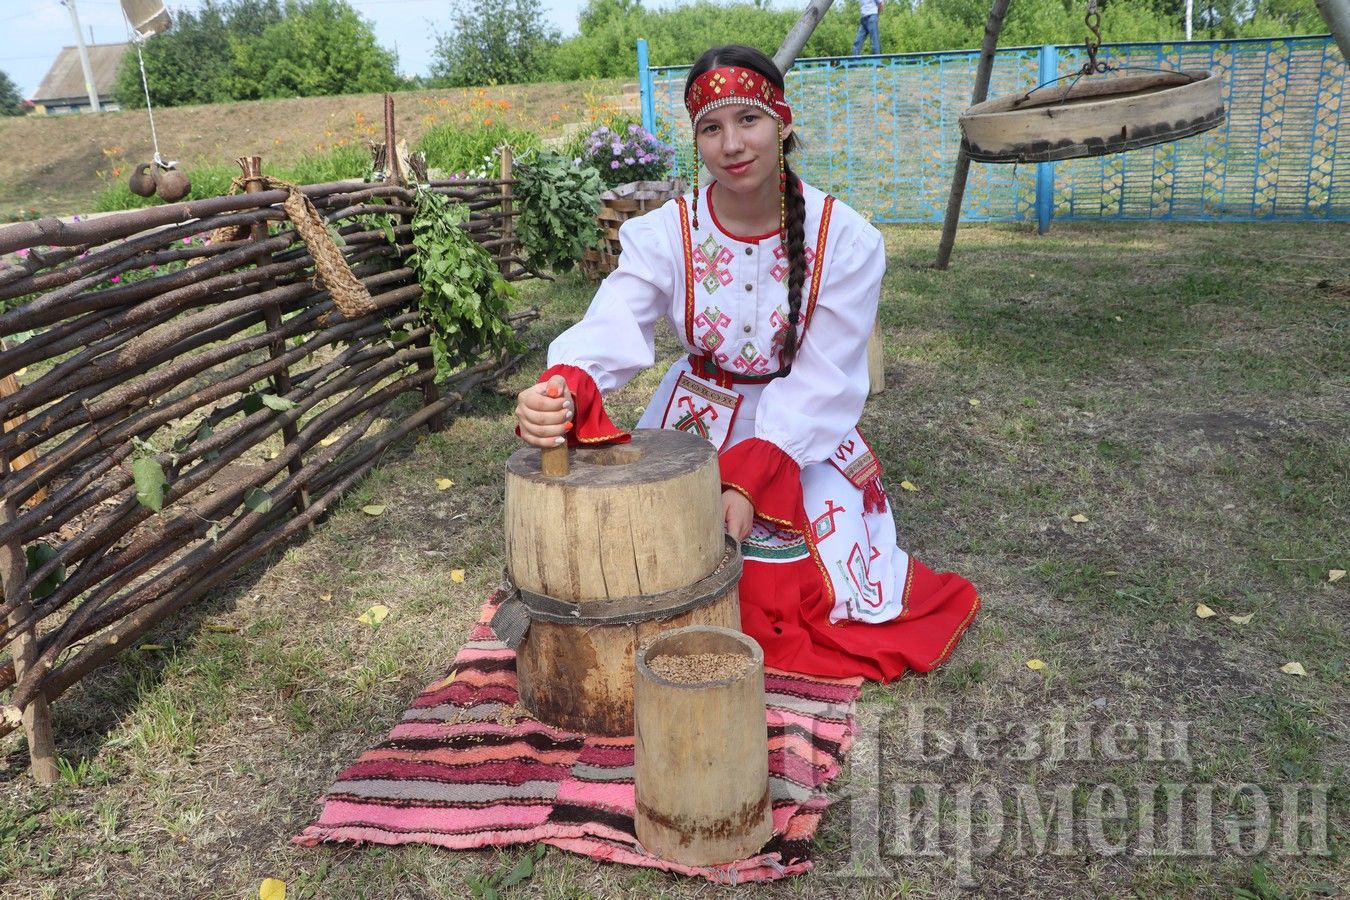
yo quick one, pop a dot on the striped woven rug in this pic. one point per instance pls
(467, 768)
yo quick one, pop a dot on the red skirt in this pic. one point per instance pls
(785, 608)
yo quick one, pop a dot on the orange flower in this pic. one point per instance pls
(488, 120)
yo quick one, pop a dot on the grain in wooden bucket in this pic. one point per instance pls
(628, 544)
(701, 751)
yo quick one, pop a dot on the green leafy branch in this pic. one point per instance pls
(464, 299)
(558, 205)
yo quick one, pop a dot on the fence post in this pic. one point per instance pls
(508, 248)
(645, 95)
(37, 716)
(1045, 172)
(281, 382)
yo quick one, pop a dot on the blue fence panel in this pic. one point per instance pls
(881, 133)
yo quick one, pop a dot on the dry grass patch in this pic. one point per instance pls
(1212, 477)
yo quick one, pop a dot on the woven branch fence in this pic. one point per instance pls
(203, 336)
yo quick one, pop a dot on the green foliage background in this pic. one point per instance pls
(676, 35)
(258, 49)
(11, 102)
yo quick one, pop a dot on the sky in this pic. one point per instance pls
(34, 31)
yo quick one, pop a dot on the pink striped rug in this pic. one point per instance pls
(466, 768)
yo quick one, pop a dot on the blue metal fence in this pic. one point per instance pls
(880, 132)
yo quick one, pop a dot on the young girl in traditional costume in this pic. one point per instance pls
(772, 287)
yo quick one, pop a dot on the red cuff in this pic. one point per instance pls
(767, 477)
(592, 423)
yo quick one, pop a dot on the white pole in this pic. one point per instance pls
(1190, 9)
(84, 56)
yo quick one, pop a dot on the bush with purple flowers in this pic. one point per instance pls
(623, 154)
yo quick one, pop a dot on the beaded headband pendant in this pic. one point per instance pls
(736, 85)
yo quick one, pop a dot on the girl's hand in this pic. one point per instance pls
(738, 514)
(544, 413)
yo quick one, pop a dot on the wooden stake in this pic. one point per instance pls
(508, 226)
(992, 28)
(37, 717)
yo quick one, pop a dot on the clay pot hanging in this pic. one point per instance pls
(142, 183)
(173, 185)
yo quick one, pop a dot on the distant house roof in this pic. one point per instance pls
(65, 79)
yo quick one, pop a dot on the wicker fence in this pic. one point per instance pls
(196, 340)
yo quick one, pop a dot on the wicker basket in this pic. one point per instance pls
(619, 204)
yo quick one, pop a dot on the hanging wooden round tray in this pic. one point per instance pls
(1092, 118)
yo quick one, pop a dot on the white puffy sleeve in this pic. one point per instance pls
(616, 338)
(808, 412)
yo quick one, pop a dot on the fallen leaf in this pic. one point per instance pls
(273, 454)
(444, 484)
(1110, 572)
(149, 647)
(444, 682)
(1335, 575)
(21, 372)
(221, 629)
(457, 576)
(373, 510)
(1293, 668)
(974, 402)
(1118, 318)
(1203, 612)
(325, 597)
(1241, 620)
(1079, 518)
(1035, 665)
(272, 889)
(908, 485)
(328, 441)
(375, 615)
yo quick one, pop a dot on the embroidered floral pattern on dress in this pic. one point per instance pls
(778, 321)
(780, 269)
(750, 361)
(823, 525)
(713, 320)
(770, 543)
(711, 264)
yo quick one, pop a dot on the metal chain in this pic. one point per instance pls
(1093, 20)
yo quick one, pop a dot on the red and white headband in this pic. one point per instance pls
(729, 85)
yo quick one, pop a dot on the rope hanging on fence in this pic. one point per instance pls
(349, 295)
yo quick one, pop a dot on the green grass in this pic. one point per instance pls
(1182, 387)
(455, 148)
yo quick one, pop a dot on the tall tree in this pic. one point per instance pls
(319, 47)
(11, 103)
(494, 42)
(249, 49)
(193, 61)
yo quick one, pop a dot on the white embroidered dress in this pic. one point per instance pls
(726, 297)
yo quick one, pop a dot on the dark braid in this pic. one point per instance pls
(796, 250)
